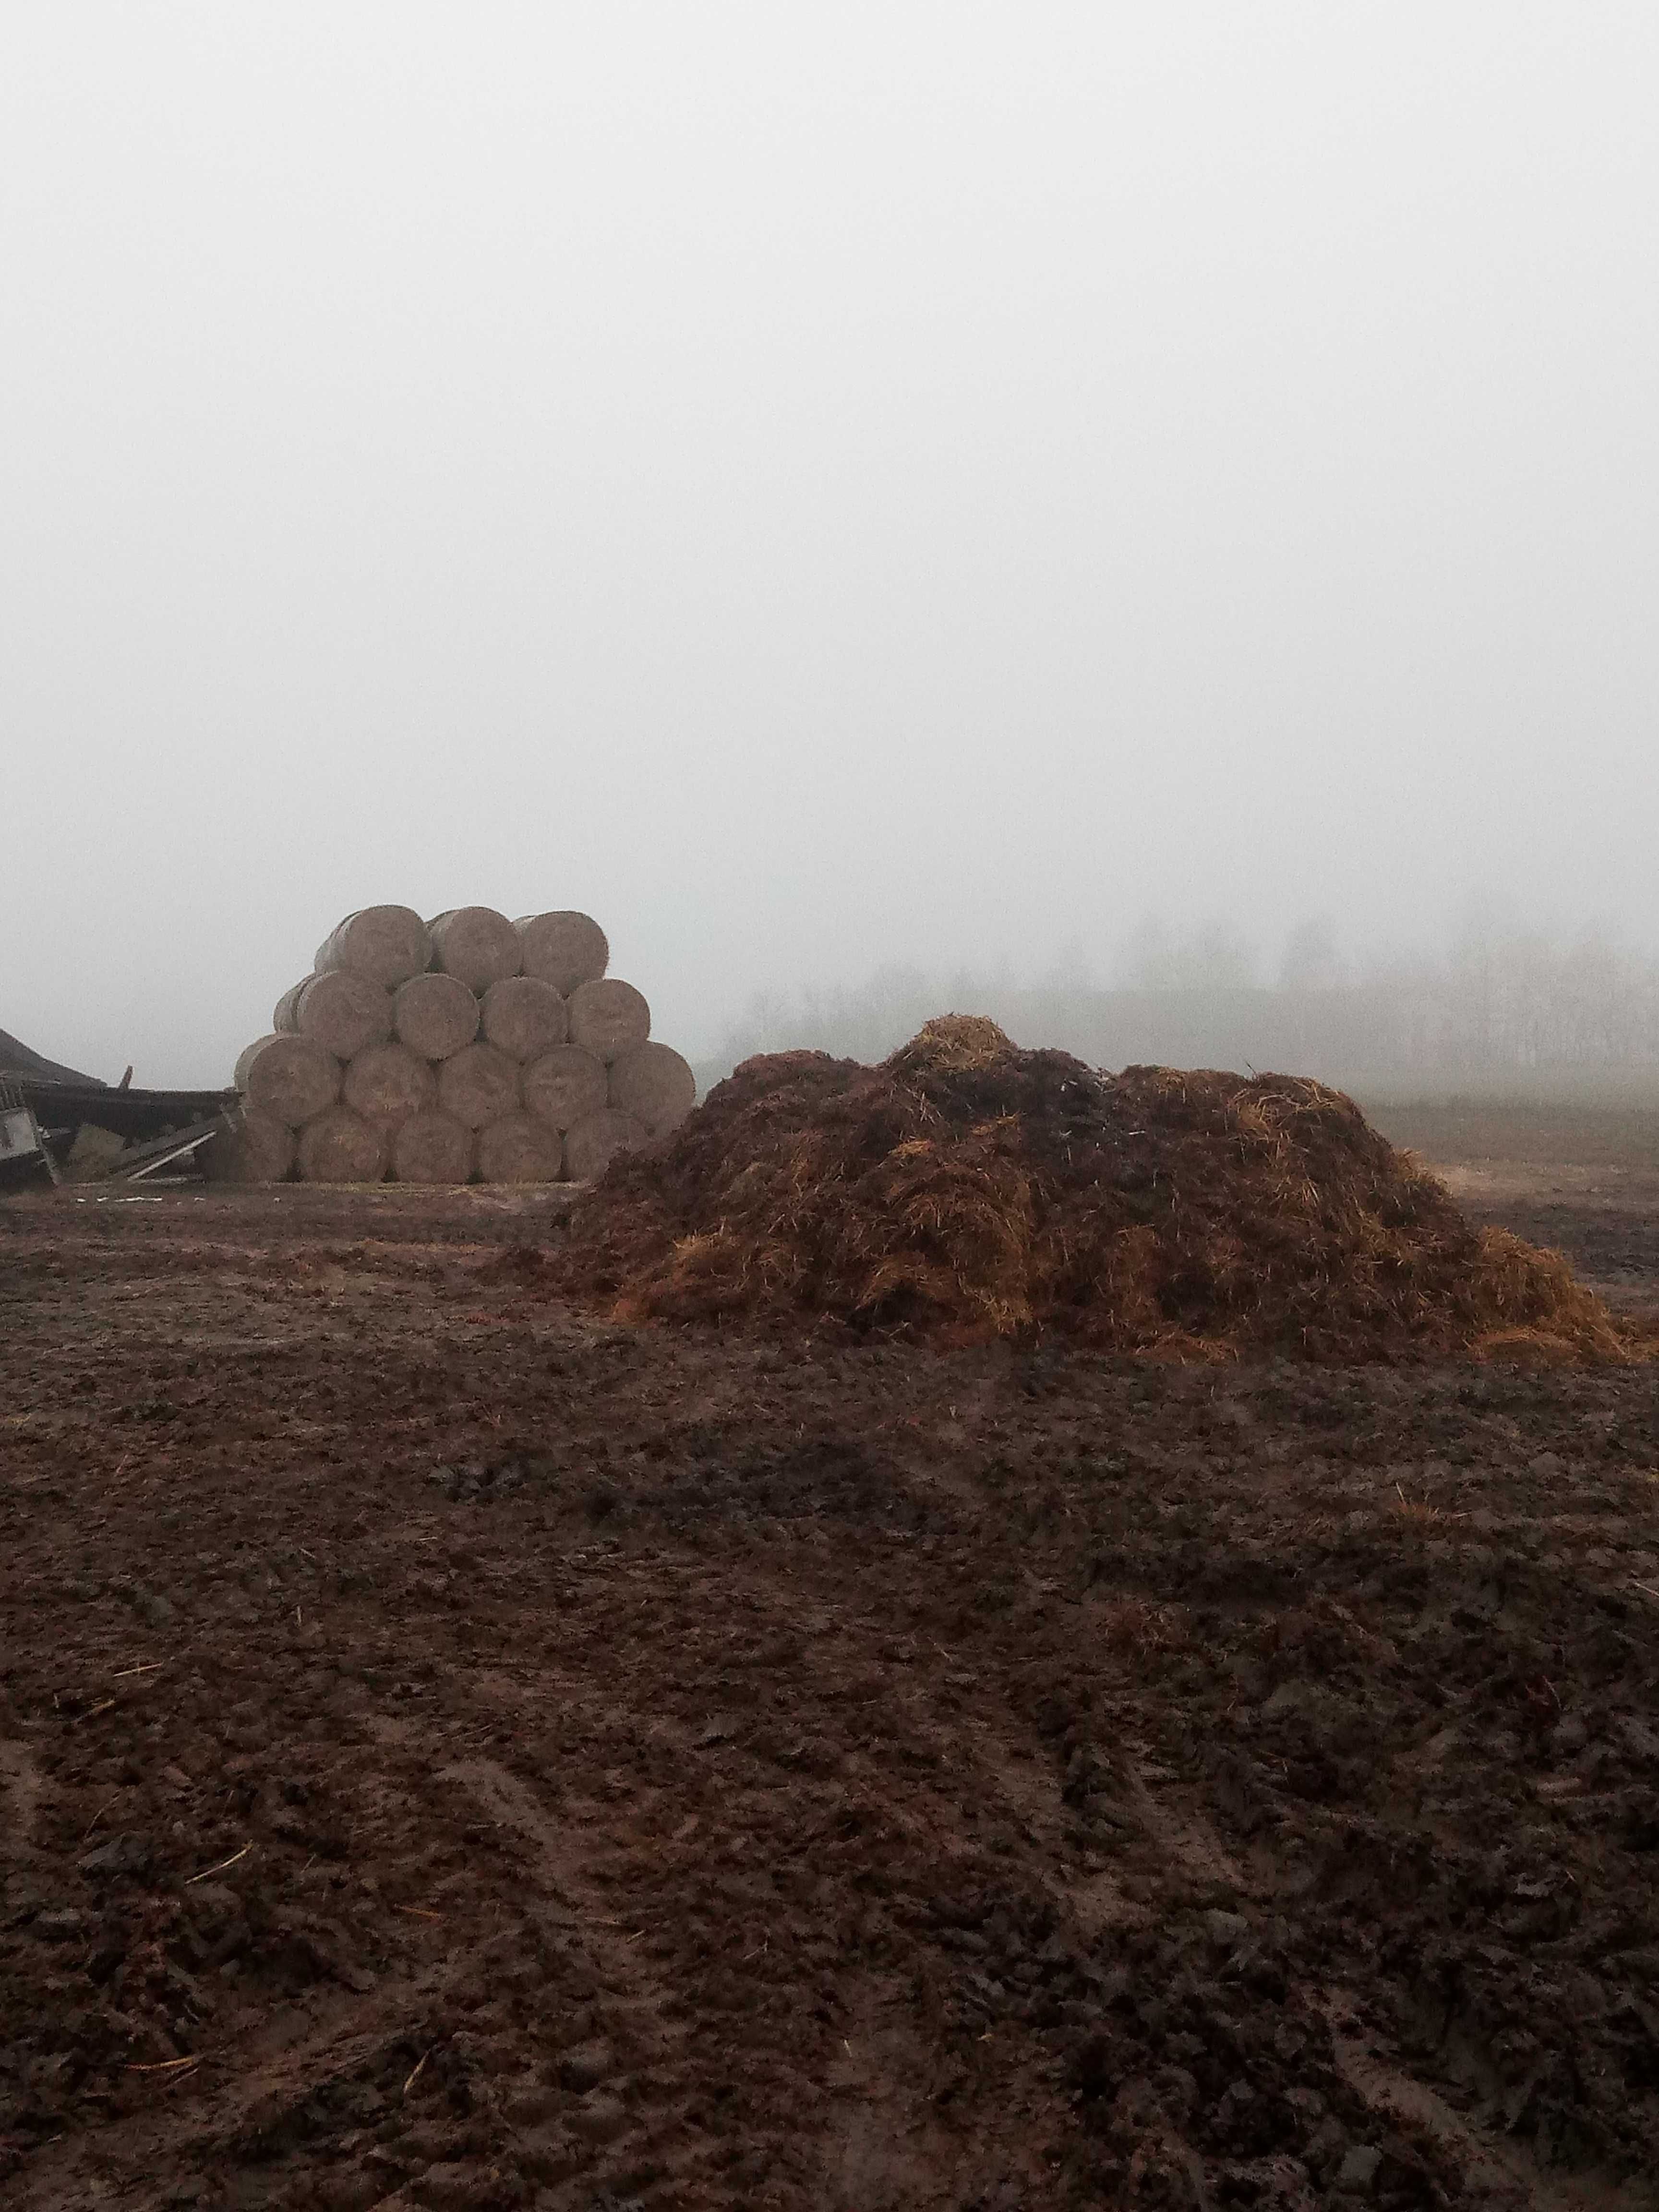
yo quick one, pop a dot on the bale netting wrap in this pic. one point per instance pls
(290, 1077)
(523, 1016)
(341, 1146)
(434, 1015)
(655, 1084)
(608, 1017)
(564, 949)
(595, 1141)
(966, 1190)
(560, 1086)
(478, 1085)
(387, 1083)
(260, 1149)
(475, 944)
(432, 1146)
(388, 944)
(519, 1149)
(342, 1009)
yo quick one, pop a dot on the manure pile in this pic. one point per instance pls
(468, 1047)
(965, 1189)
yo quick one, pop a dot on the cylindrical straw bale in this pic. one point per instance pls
(478, 1085)
(523, 1016)
(387, 1083)
(563, 1085)
(292, 1078)
(432, 1146)
(608, 1017)
(340, 1146)
(563, 949)
(519, 1149)
(388, 943)
(597, 1139)
(285, 1018)
(655, 1084)
(260, 1150)
(344, 1009)
(434, 1015)
(476, 944)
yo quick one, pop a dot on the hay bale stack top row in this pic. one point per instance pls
(467, 1048)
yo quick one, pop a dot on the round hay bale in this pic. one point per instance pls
(344, 1009)
(432, 1146)
(476, 945)
(388, 943)
(562, 949)
(434, 1015)
(523, 1016)
(563, 1085)
(655, 1084)
(387, 1083)
(608, 1017)
(261, 1149)
(478, 1085)
(285, 1016)
(597, 1139)
(519, 1149)
(292, 1078)
(340, 1146)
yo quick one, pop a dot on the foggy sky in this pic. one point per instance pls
(813, 485)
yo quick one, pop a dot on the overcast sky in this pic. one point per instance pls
(813, 485)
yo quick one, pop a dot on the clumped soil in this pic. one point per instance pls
(457, 1752)
(965, 1190)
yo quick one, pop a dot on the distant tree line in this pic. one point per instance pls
(1495, 1011)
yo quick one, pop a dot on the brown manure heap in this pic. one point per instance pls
(966, 1189)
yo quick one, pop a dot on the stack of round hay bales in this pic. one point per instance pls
(469, 1048)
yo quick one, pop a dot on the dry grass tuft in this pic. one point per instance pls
(1419, 1509)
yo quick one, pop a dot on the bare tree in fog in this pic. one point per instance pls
(1213, 957)
(1312, 959)
(1498, 1008)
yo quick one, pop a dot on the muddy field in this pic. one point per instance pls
(454, 1752)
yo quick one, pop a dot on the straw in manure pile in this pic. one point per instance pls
(966, 1189)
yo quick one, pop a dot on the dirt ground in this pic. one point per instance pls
(456, 1753)
(1586, 1182)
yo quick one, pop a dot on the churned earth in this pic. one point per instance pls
(458, 1752)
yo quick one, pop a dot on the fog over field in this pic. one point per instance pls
(1070, 500)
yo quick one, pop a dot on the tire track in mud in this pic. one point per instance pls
(570, 1902)
(826, 1774)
